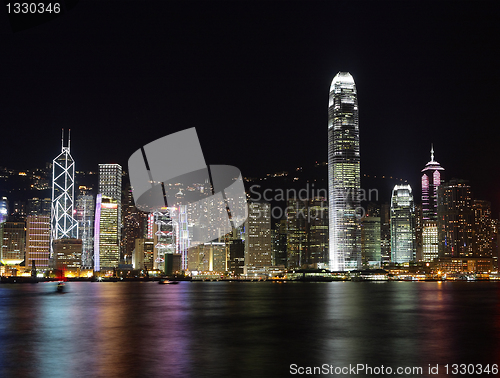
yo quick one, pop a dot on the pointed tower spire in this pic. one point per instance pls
(62, 140)
(69, 139)
(432, 152)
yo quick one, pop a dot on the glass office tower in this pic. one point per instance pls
(343, 175)
(63, 224)
(402, 225)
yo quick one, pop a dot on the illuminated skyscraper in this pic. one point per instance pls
(12, 247)
(343, 175)
(426, 219)
(402, 224)
(63, 224)
(38, 241)
(106, 241)
(85, 208)
(431, 179)
(110, 189)
(110, 185)
(455, 219)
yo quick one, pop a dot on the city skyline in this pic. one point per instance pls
(412, 84)
(182, 288)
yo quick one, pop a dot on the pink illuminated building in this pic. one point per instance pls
(431, 179)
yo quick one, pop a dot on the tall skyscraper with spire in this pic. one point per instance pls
(431, 179)
(343, 175)
(63, 224)
(428, 237)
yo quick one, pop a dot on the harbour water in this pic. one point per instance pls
(259, 329)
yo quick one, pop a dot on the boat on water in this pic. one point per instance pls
(168, 282)
(60, 287)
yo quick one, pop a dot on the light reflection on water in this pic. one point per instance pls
(225, 329)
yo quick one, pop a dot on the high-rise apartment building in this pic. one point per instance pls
(402, 224)
(343, 175)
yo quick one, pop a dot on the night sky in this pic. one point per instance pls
(253, 78)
